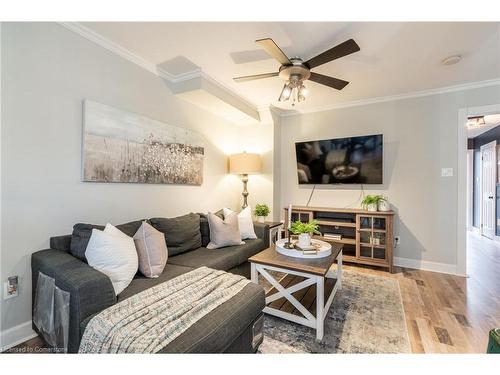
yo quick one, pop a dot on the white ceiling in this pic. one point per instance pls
(395, 58)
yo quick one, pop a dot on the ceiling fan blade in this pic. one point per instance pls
(255, 76)
(335, 83)
(343, 49)
(272, 49)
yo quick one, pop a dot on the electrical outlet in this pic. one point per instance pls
(11, 287)
(397, 240)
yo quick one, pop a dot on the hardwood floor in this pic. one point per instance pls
(452, 314)
(444, 313)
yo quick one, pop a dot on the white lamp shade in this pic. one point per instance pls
(245, 163)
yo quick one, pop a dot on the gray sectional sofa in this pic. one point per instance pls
(234, 326)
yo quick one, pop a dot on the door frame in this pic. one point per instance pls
(461, 232)
(470, 190)
(489, 144)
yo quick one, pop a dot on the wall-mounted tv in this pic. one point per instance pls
(352, 160)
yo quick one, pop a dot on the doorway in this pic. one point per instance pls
(479, 183)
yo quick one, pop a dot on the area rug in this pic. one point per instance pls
(366, 316)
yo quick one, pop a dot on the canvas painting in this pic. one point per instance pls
(119, 146)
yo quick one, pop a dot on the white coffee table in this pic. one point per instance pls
(300, 295)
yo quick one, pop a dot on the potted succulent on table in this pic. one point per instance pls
(261, 211)
(373, 202)
(305, 230)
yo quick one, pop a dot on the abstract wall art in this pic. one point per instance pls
(120, 146)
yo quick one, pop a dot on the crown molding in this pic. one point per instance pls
(109, 45)
(186, 76)
(228, 89)
(390, 98)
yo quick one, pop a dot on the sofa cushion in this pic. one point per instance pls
(140, 282)
(250, 248)
(82, 232)
(204, 230)
(220, 327)
(182, 233)
(80, 239)
(219, 259)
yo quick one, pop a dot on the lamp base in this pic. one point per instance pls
(244, 178)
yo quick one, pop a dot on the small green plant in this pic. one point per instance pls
(299, 227)
(262, 210)
(372, 199)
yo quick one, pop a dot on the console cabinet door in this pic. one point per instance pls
(371, 238)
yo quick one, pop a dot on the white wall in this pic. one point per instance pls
(420, 137)
(47, 71)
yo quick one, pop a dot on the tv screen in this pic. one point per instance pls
(353, 160)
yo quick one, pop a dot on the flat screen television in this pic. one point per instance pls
(352, 160)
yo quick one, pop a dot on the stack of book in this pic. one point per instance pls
(307, 250)
(332, 236)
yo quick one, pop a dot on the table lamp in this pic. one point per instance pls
(245, 164)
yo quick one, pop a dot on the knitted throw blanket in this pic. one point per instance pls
(148, 321)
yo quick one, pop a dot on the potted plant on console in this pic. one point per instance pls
(305, 230)
(374, 203)
(261, 211)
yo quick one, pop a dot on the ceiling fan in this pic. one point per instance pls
(295, 71)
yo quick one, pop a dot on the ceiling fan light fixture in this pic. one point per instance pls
(294, 71)
(475, 122)
(286, 92)
(302, 93)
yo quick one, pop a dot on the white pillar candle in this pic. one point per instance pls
(289, 216)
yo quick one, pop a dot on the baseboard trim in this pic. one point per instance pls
(426, 265)
(16, 335)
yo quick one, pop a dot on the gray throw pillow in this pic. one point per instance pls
(182, 233)
(224, 232)
(151, 250)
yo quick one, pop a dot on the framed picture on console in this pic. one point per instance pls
(120, 146)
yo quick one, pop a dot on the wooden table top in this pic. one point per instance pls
(318, 266)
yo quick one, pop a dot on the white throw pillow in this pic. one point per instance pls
(245, 223)
(113, 253)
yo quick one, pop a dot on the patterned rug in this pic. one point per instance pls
(366, 316)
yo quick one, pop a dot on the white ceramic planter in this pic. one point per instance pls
(261, 219)
(371, 207)
(384, 206)
(304, 239)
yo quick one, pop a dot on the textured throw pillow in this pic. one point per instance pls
(245, 223)
(181, 233)
(113, 253)
(224, 232)
(151, 250)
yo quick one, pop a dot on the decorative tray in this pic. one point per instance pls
(321, 249)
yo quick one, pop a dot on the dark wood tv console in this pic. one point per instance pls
(367, 236)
